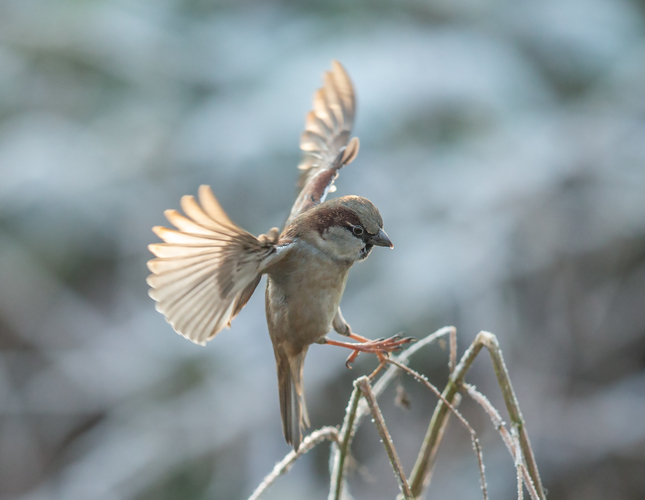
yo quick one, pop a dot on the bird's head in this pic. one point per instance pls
(346, 228)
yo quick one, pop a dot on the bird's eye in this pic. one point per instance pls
(358, 230)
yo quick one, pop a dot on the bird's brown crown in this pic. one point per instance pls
(353, 210)
(368, 215)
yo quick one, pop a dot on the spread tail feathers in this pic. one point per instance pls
(292, 397)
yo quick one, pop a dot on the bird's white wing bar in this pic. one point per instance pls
(207, 269)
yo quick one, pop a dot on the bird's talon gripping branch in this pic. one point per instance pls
(380, 347)
(351, 358)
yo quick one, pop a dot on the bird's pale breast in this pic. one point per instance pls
(303, 295)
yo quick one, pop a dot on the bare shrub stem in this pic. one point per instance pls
(511, 443)
(513, 407)
(473, 435)
(342, 449)
(285, 464)
(362, 409)
(516, 440)
(424, 464)
(402, 358)
(452, 363)
(364, 385)
(519, 464)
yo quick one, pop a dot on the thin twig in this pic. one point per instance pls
(342, 449)
(473, 434)
(364, 385)
(285, 464)
(506, 436)
(453, 350)
(518, 442)
(455, 402)
(377, 389)
(424, 464)
(513, 407)
(519, 464)
(392, 371)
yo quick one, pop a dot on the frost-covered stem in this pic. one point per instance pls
(513, 407)
(519, 464)
(392, 371)
(452, 363)
(377, 389)
(473, 435)
(363, 384)
(426, 458)
(511, 444)
(341, 450)
(285, 464)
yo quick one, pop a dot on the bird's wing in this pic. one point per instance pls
(325, 141)
(208, 268)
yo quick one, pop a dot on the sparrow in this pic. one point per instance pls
(208, 267)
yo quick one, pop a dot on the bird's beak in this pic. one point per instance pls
(381, 239)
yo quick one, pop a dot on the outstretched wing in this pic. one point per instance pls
(208, 268)
(325, 141)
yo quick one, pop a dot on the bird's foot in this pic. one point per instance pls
(380, 347)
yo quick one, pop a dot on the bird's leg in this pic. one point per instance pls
(380, 366)
(380, 347)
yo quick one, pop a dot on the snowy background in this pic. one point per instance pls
(504, 143)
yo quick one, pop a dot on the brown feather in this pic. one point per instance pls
(327, 130)
(207, 269)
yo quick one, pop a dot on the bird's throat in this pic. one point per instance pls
(365, 251)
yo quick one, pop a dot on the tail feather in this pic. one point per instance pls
(292, 397)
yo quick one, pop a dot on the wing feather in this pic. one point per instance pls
(159, 266)
(165, 281)
(166, 251)
(207, 269)
(316, 125)
(192, 209)
(325, 141)
(178, 237)
(185, 224)
(332, 118)
(193, 304)
(212, 207)
(173, 292)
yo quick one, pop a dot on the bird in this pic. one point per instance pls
(207, 268)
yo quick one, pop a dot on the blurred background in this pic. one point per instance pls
(504, 143)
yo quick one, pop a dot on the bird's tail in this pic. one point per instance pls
(292, 396)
